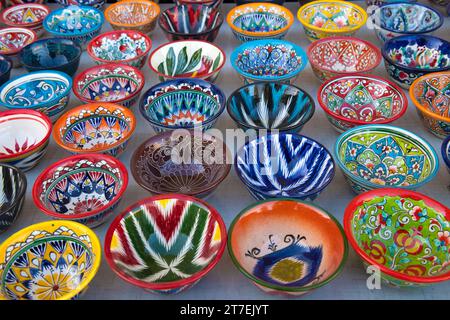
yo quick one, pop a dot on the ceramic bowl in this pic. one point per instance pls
(138, 15)
(379, 3)
(340, 56)
(445, 151)
(98, 4)
(14, 2)
(403, 233)
(97, 127)
(82, 188)
(77, 23)
(353, 100)
(13, 185)
(175, 254)
(122, 46)
(30, 15)
(239, 2)
(268, 60)
(13, 40)
(377, 156)
(270, 106)
(321, 19)
(57, 54)
(431, 96)
(203, 2)
(192, 58)
(56, 260)
(112, 82)
(182, 104)
(5, 69)
(191, 21)
(286, 246)
(44, 91)
(259, 20)
(181, 162)
(406, 58)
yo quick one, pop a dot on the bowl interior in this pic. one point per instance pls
(25, 15)
(73, 20)
(14, 39)
(432, 92)
(190, 19)
(51, 53)
(120, 46)
(260, 21)
(132, 13)
(11, 188)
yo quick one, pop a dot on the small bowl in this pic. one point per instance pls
(13, 40)
(57, 54)
(192, 58)
(83, 188)
(12, 193)
(56, 260)
(431, 96)
(340, 56)
(97, 4)
(270, 106)
(182, 104)
(178, 257)
(403, 233)
(137, 15)
(191, 22)
(44, 91)
(112, 82)
(445, 151)
(321, 19)
(354, 100)
(287, 246)
(159, 165)
(96, 127)
(259, 20)
(379, 3)
(29, 15)
(378, 156)
(122, 46)
(5, 69)
(406, 58)
(268, 60)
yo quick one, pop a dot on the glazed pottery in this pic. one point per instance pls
(182, 104)
(259, 20)
(13, 185)
(187, 59)
(286, 246)
(165, 244)
(403, 233)
(431, 96)
(204, 2)
(30, 15)
(353, 100)
(271, 106)
(182, 162)
(83, 188)
(321, 19)
(112, 82)
(381, 2)
(5, 69)
(52, 260)
(268, 60)
(375, 156)
(12, 40)
(122, 46)
(97, 127)
(239, 2)
(44, 91)
(98, 4)
(340, 56)
(57, 54)
(406, 58)
(14, 2)
(445, 151)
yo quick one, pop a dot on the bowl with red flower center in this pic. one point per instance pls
(13, 40)
(29, 15)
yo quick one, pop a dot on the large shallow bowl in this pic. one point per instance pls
(30, 15)
(13, 40)
(165, 244)
(445, 152)
(52, 260)
(13, 185)
(403, 233)
(5, 69)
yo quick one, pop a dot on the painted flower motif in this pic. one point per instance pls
(414, 270)
(443, 239)
(377, 251)
(416, 213)
(318, 21)
(383, 220)
(410, 243)
(88, 205)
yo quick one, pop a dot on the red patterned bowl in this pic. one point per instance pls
(13, 40)
(29, 15)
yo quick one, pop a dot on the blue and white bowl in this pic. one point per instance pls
(445, 150)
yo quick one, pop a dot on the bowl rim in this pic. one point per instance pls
(269, 285)
(444, 146)
(390, 192)
(5, 59)
(35, 192)
(173, 284)
(30, 32)
(357, 121)
(287, 128)
(152, 4)
(21, 194)
(8, 10)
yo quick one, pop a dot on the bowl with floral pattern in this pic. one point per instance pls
(13, 187)
(30, 15)
(445, 152)
(96, 127)
(405, 234)
(56, 260)
(13, 40)
(5, 69)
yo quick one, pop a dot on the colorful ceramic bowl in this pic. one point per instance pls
(122, 46)
(287, 246)
(56, 260)
(29, 15)
(187, 59)
(97, 127)
(340, 56)
(5, 69)
(13, 185)
(379, 3)
(83, 188)
(57, 54)
(259, 20)
(445, 151)
(98, 4)
(112, 82)
(403, 233)
(12, 40)
(408, 57)
(177, 239)
(239, 2)
(138, 15)
(182, 104)
(44, 91)
(431, 96)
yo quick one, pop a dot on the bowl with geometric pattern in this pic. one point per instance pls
(29, 15)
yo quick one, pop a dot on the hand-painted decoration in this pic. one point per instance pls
(13, 186)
